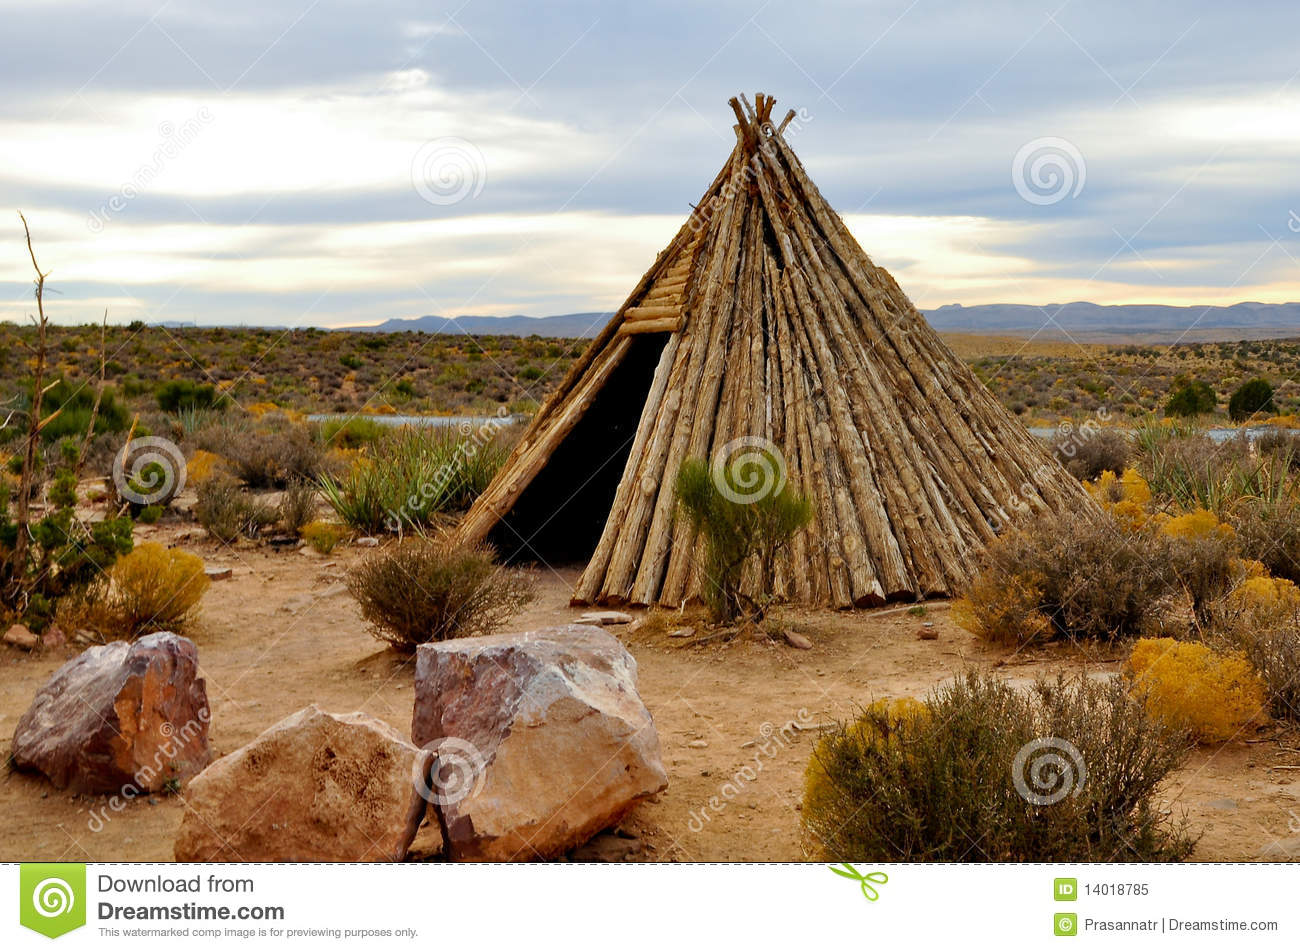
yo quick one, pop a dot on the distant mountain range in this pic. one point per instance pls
(1080, 319)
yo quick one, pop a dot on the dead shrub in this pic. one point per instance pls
(298, 505)
(423, 590)
(1086, 455)
(1070, 575)
(228, 512)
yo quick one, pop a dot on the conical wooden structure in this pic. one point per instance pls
(764, 321)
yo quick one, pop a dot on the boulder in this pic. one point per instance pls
(20, 637)
(316, 787)
(119, 718)
(540, 738)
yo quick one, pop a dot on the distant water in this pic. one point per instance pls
(398, 419)
(1219, 434)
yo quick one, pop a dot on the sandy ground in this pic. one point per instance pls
(282, 633)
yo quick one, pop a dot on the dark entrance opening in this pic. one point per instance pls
(560, 516)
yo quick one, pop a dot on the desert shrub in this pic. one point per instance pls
(1268, 531)
(151, 589)
(64, 553)
(298, 504)
(1191, 398)
(1260, 619)
(273, 453)
(745, 518)
(352, 433)
(1281, 445)
(1253, 396)
(973, 778)
(323, 536)
(1202, 555)
(1072, 574)
(177, 395)
(425, 590)
(413, 476)
(1191, 471)
(1191, 687)
(229, 512)
(1087, 456)
(150, 514)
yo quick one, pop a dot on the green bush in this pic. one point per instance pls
(424, 590)
(1067, 773)
(1191, 398)
(352, 433)
(1253, 396)
(412, 477)
(740, 528)
(176, 395)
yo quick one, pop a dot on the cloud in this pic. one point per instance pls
(245, 162)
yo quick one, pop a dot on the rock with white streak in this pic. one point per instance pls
(119, 717)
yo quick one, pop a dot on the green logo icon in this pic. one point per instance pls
(1065, 890)
(867, 881)
(52, 897)
(1065, 923)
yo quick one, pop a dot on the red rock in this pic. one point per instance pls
(20, 637)
(316, 787)
(119, 718)
(541, 740)
(54, 637)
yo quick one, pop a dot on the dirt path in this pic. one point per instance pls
(282, 632)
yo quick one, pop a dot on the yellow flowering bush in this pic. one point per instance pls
(1189, 686)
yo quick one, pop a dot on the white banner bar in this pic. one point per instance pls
(652, 907)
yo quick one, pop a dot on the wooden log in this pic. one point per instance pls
(641, 313)
(669, 324)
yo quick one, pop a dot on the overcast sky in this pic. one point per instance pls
(347, 161)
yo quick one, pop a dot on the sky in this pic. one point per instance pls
(295, 163)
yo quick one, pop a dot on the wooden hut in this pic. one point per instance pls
(765, 323)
